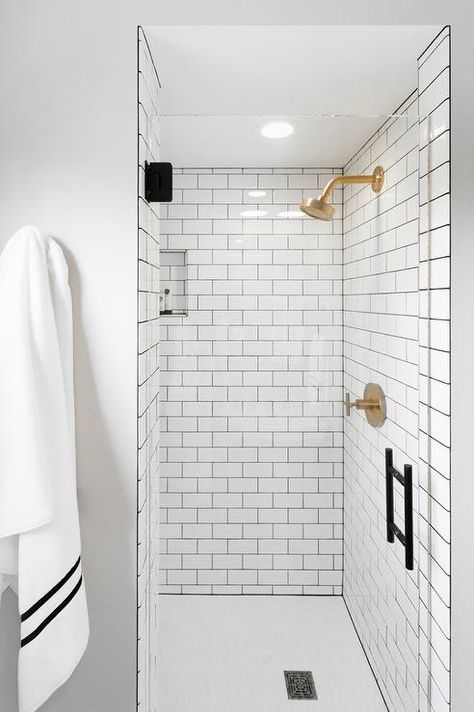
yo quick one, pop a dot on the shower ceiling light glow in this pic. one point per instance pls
(257, 193)
(277, 129)
(253, 213)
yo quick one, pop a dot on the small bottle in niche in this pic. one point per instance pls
(165, 302)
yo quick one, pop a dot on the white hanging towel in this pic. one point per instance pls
(39, 524)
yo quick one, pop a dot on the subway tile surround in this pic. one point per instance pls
(148, 383)
(252, 485)
(251, 388)
(396, 332)
(435, 376)
(381, 346)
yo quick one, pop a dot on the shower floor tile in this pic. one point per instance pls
(228, 654)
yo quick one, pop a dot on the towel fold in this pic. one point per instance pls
(39, 523)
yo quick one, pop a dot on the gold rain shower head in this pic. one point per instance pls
(320, 209)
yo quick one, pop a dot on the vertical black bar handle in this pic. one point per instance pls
(406, 480)
(389, 493)
(408, 487)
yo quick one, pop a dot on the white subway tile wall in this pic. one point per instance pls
(251, 388)
(148, 381)
(397, 332)
(435, 376)
(381, 345)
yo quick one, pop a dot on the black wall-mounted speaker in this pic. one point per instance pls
(158, 182)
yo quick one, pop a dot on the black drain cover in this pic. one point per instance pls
(300, 685)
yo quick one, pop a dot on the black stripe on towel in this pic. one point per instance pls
(52, 615)
(47, 596)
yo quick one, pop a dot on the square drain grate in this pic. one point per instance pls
(300, 685)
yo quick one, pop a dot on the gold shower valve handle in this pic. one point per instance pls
(360, 404)
(373, 403)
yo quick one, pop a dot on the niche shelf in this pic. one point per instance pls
(173, 283)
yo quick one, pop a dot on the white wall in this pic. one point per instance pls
(251, 388)
(381, 346)
(435, 376)
(148, 378)
(67, 133)
(68, 147)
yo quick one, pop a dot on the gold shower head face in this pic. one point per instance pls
(317, 208)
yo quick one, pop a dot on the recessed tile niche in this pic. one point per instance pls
(173, 283)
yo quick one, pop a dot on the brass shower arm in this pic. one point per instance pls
(376, 179)
(320, 209)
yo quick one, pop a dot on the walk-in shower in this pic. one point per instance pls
(304, 468)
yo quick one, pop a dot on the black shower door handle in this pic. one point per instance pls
(406, 480)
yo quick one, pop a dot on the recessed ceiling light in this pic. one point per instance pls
(257, 193)
(253, 213)
(290, 214)
(277, 129)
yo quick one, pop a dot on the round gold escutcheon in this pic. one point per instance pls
(378, 412)
(378, 178)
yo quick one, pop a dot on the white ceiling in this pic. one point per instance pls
(225, 82)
